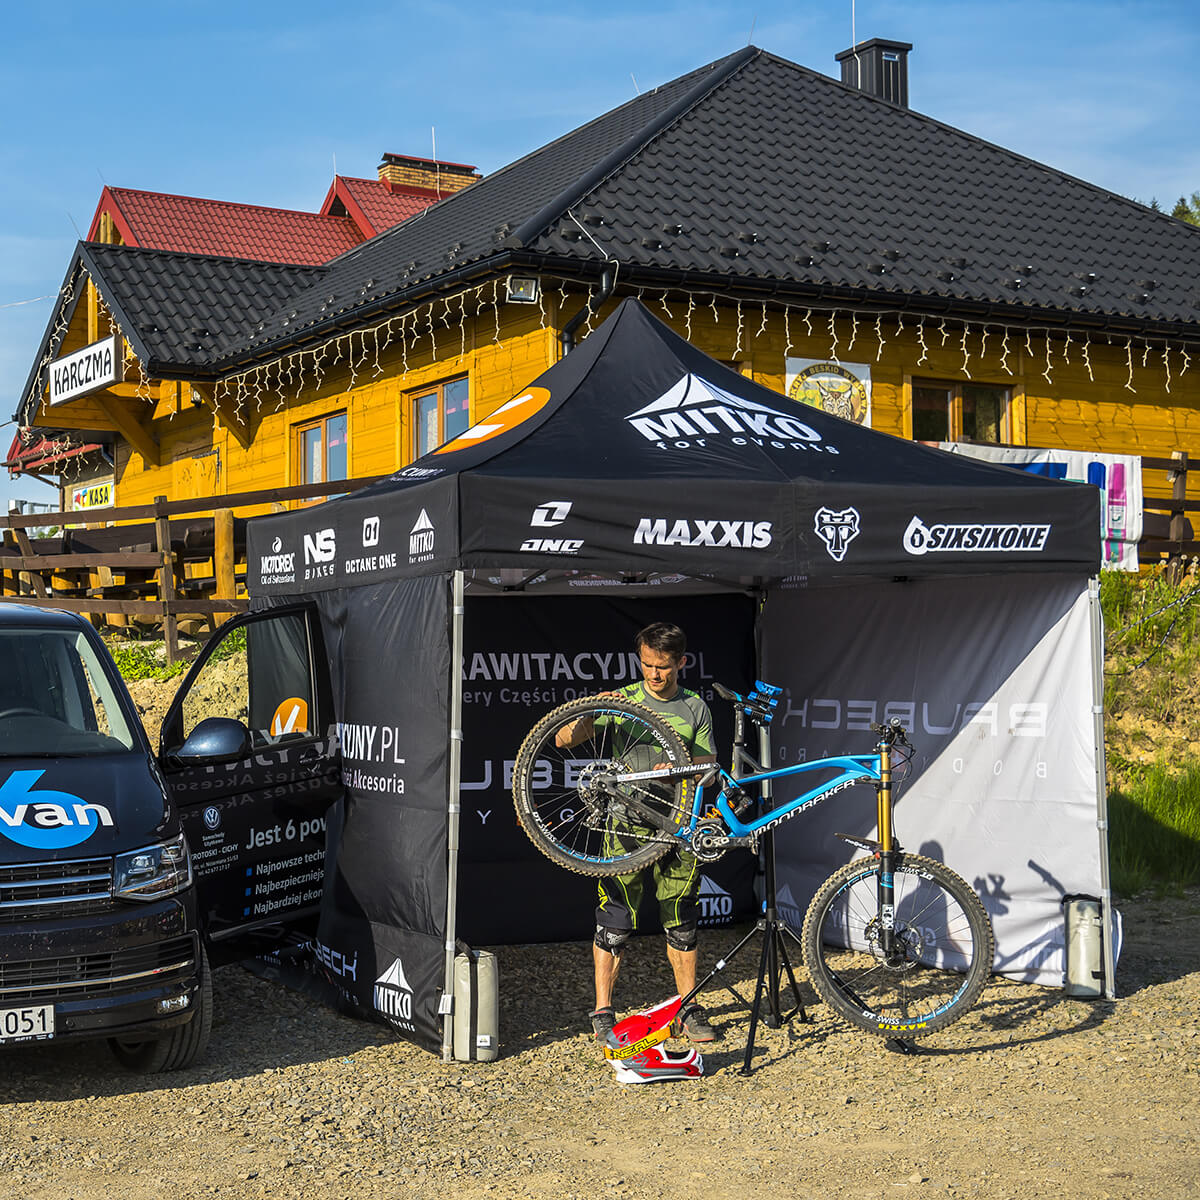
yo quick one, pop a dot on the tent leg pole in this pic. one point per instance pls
(453, 808)
(1097, 625)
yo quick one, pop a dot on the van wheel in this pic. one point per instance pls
(179, 1047)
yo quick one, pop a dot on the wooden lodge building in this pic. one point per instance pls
(772, 215)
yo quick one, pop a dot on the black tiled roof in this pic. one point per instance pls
(181, 307)
(752, 174)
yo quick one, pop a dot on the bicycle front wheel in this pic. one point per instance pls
(938, 962)
(570, 797)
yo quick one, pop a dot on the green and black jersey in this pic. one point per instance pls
(685, 713)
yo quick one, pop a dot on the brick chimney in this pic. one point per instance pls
(402, 171)
(879, 68)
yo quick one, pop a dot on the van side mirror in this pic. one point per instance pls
(215, 739)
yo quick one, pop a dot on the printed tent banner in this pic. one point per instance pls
(634, 469)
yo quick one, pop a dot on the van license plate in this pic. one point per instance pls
(29, 1024)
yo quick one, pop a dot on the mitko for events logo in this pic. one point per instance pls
(998, 538)
(695, 413)
(277, 567)
(394, 996)
(420, 540)
(736, 535)
(837, 529)
(546, 516)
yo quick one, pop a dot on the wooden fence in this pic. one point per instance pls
(153, 562)
(187, 558)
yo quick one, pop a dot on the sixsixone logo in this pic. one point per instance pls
(920, 538)
(737, 535)
(695, 412)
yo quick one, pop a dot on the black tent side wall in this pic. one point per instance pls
(526, 654)
(383, 916)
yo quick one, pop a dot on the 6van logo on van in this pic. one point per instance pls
(46, 820)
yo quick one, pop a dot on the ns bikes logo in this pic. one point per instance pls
(546, 516)
(836, 529)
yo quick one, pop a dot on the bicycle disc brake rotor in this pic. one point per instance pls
(906, 948)
(597, 791)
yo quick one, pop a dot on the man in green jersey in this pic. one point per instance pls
(675, 878)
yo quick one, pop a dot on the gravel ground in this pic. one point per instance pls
(1031, 1095)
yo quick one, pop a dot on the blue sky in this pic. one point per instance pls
(255, 100)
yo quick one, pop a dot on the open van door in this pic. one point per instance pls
(250, 756)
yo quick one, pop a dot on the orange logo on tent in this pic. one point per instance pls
(290, 717)
(507, 416)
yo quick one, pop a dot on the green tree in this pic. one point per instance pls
(1188, 210)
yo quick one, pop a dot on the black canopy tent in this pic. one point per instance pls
(636, 465)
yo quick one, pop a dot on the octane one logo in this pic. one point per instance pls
(695, 412)
(920, 538)
(46, 820)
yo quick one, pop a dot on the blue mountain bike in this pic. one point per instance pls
(896, 943)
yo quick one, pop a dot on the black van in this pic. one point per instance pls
(125, 874)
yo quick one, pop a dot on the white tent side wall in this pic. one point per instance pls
(995, 679)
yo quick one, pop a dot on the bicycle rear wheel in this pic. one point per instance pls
(569, 799)
(940, 960)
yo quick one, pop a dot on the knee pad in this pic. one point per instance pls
(612, 940)
(683, 937)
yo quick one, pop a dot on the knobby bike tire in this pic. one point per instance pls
(941, 963)
(581, 826)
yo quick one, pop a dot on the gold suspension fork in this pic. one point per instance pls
(883, 797)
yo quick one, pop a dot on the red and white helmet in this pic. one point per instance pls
(634, 1051)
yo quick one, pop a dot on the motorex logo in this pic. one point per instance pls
(695, 413)
(46, 820)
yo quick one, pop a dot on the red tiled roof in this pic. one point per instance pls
(377, 204)
(42, 452)
(196, 226)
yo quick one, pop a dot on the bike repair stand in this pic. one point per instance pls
(773, 958)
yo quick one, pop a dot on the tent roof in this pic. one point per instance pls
(638, 453)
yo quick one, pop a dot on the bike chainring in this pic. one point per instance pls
(710, 839)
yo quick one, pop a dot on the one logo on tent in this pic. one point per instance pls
(695, 413)
(46, 820)
(394, 996)
(920, 538)
(420, 539)
(836, 529)
(553, 512)
(277, 567)
(507, 416)
(290, 717)
(370, 534)
(277, 545)
(716, 904)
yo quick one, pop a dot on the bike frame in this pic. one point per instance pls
(875, 769)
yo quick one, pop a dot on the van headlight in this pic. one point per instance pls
(153, 872)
